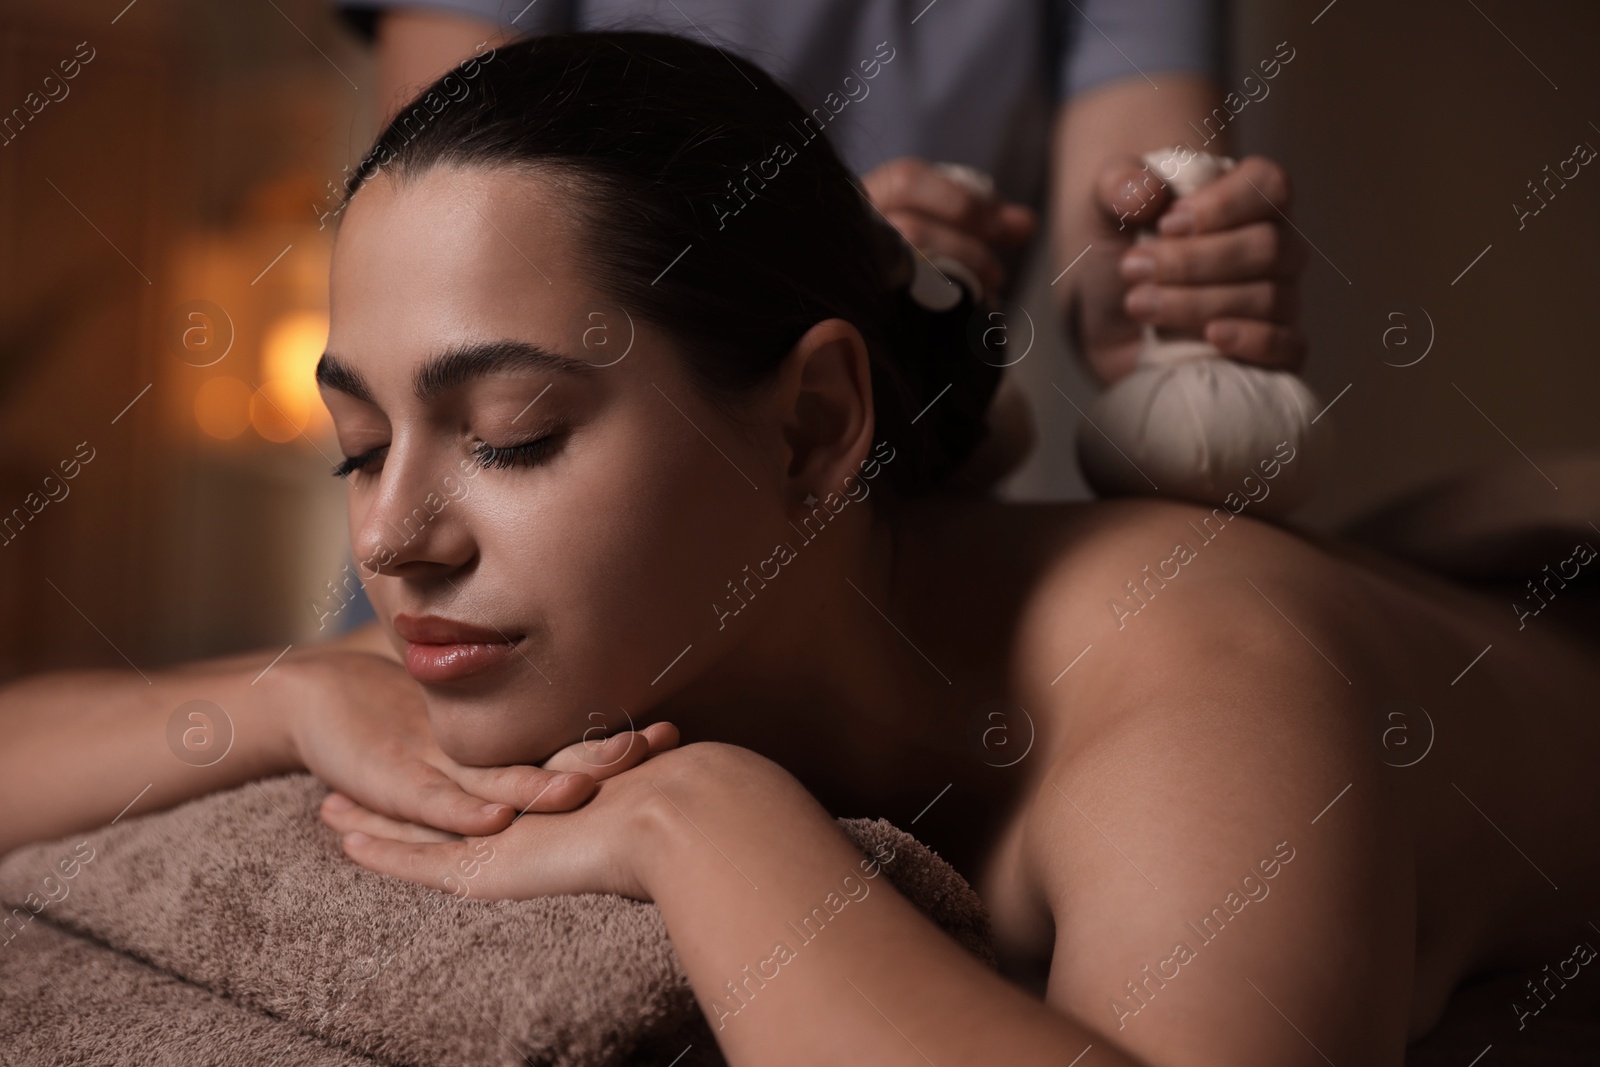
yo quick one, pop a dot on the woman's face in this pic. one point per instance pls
(539, 471)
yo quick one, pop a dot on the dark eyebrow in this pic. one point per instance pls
(454, 367)
(335, 375)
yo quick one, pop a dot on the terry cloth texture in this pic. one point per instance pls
(232, 930)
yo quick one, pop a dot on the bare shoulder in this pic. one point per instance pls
(1143, 546)
(1185, 665)
(1139, 582)
(1200, 646)
(1208, 811)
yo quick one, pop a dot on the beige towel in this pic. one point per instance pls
(232, 930)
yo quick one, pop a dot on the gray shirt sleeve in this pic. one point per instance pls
(1103, 40)
(522, 16)
(1106, 40)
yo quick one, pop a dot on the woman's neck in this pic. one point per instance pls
(829, 677)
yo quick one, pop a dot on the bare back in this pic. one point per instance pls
(1470, 741)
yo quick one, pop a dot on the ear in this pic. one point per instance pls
(826, 409)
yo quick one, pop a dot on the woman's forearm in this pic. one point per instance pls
(799, 951)
(82, 747)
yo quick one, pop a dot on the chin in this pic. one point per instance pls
(487, 739)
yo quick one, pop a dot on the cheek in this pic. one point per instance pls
(623, 548)
(611, 560)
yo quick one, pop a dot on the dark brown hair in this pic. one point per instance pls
(667, 144)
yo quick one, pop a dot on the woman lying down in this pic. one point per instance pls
(688, 473)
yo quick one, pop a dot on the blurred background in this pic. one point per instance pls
(165, 254)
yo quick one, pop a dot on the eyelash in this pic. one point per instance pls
(527, 454)
(352, 464)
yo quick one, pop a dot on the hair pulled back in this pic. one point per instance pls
(710, 207)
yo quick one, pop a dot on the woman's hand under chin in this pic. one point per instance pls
(360, 724)
(601, 847)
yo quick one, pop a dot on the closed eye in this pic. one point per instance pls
(527, 454)
(355, 463)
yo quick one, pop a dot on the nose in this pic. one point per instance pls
(414, 519)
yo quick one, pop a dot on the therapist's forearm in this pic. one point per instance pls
(1094, 130)
(877, 983)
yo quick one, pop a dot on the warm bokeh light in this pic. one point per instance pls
(280, 410)
(289, 355)
(222, 407)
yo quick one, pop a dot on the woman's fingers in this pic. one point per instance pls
(1013, 224)
(1255, 190)
(1130, 194)
(484, 800)
(567, 779)
(943, 216)
(345, 815)
(662, 736)
(451, 867)
(489, 868)
(602, 758)
(1249, 253)
(417, 791)
(1190, 307)
(1254, 341)
(933, 237)
(531, 858)
(1225, 264)
(523, 788)
(917, 186)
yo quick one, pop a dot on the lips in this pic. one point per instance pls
(445, 650)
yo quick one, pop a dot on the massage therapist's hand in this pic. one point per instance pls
(1226, 263)
(613, 844)
(942, 216)
(358, 722)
